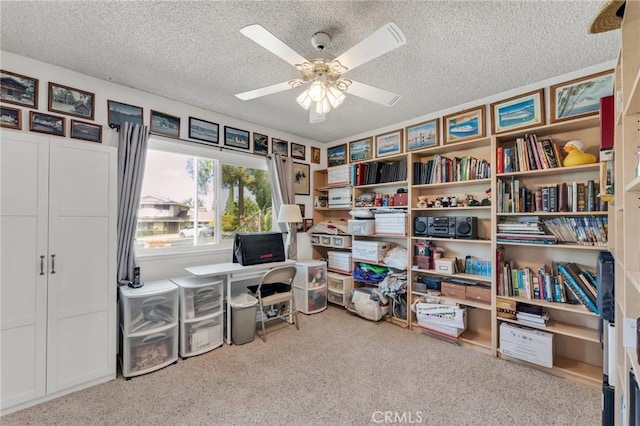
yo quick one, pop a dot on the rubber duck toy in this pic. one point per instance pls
(575, 154)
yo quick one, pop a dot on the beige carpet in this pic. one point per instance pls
(338, 369)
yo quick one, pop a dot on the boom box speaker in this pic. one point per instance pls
(467, 227)
(420, 226)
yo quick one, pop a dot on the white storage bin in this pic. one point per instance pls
(310, 301)
(152, 306)
(361, 227)
(527, 344)
(391, 224)
(338, 282)
(325, 240)
(371, 251)
(340, 261)
(149, 352)
(342, 241)
(337, 298)
(340, 197)
(199, 297)
(338, 175)
(201, 336)
(310, 274)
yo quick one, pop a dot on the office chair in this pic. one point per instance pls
(276, 288)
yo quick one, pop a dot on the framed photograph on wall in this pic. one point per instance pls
(315, 155)
(301, 179)
(10, 118)
(308, 224)
(360, 150)
(302, 207)
(298, 151)
(260, 143)
(86, 131)
(236, 138)
(202, 130)
(465, 125)
(519, 112)
(46, 123)
(580, 97)
(423, 135)
(70, 101)
(164, 124)
(389, 143)
(278, 146)
(19, 89)
(337, 155)
(119, 113)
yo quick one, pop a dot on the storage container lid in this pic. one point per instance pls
(148, 287)
(189, 281)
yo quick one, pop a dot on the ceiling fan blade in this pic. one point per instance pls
(263, 91)
(314, 117)
(272, 43)
(385, 39)
(373, 94)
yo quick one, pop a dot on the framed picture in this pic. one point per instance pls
(308, 224)
(519, 112)
(236, 138)
(580, 97)
(202, 130)
(423, 135)
(119, 113)
(164, 124)
(46, 123)
(11, 118)
(301, 209)
(360, 150)
(315, 155)
(337, 155)
(70, 101)
(260, 144)
(278, 146)
(86, 131)
(389, 143)
(298, 151)
(19, 89)
(464, 125)
(300, 226)
(301, 179)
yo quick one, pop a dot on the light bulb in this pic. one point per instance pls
(322, 107)
(304, 100)
(317, 91)
(335, 96)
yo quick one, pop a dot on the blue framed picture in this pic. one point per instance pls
(465, 125)
(580, 97)
(423, 135)
(519, 112)
(389, 143)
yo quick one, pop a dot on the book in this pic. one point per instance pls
(577, 289)
(534, 319)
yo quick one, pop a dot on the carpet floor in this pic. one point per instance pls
(338, 369)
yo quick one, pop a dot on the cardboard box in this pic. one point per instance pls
(478, 293)
(339, 197)
(527, 344)
(361, 227)
(372, 251)
(391, 224)
(338, 175)
(457, 291)
(423, 262)
(400, 199)
(445, 266)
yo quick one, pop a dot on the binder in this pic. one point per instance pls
(606, 286)
(607, 122)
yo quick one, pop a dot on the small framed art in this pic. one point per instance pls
(519, 112)
(315, 155)
(278, 146)
(10, 118)
(298, 151)
(70, 101)
(260, 144)
(423, 135)
(236, 138)
(86, 131)
(46, 123)
(301, 181)
(302, 208)
(465, 125)
(202, 130)
(389, 143)
(164, 124)
(337, 155)
(19, 89)
(360, 150)
(119, 113)
(308, 224)
(580, 97)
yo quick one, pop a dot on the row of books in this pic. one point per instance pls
(441, 169)
(581, 230)
(552, 282)
(529, 153)
(523, 229)
(379, 172)
(514, 197)
(523, 312)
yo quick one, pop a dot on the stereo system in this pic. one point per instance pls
(465, 227)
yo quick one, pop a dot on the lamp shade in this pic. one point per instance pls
(289, 213)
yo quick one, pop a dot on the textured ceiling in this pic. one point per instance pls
(193, 52)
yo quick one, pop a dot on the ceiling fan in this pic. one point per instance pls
(327, 87)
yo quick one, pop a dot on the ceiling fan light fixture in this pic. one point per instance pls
(335, 96)
(322, 107)
(304, 99)
(317, 91)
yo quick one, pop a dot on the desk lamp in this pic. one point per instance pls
(290, 214)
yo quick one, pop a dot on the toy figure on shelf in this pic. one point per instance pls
(576, 156)
(486, 201)
(453, 202)
(471, 201)
(444, 201)
(422, 203)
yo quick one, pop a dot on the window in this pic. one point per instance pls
(196, 201)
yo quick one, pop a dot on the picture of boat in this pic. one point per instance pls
(422, 136)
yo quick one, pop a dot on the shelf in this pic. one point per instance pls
(465, 302)
(439, 209)
(459, 146)
(381, 236)
(452, 184)
(383, 184)
(561, 246)
(340, 271)
(633, 106)
(332, 247)
(470, 277)
(634, 277)
(368, 262)
(327, 188)
(590, 375)
(383, 159)
(477, 338)
(332, 208)
(562, 328)
(551, 129)
(578, 309)
(396, 321)
(381, 207)
(453, 240)
(551, 172)
(596, 213)
(633, 186)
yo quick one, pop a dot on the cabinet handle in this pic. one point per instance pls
(53, 263)
(41, 265)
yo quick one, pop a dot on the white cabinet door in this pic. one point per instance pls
(24, 161)
(82, 291)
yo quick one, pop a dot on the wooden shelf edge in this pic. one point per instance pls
(456, 183)
(633, 105)
(596, 213)
(633, 186)
(561, 328)
(555, 170)
(587, 374)
(461, 275)
(578, 309)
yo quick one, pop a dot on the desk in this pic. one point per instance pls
(234, 272)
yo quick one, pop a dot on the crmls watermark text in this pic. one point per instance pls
(394, 417)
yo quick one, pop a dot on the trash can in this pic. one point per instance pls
(244, 308)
